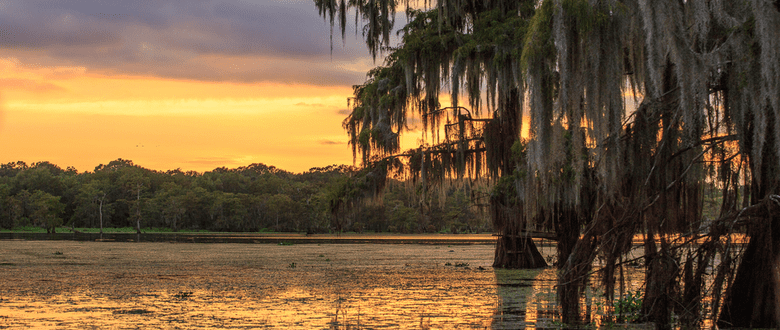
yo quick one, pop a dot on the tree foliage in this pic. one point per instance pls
(245, 199)
(632, 108)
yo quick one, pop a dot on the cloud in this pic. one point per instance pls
(304, 104)
(247, 41)
(212, 161)
(329, 142)
(10, 67)
(28, 84)
(344, 112)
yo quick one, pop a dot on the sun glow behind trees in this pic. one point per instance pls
(82, 119)
(192, 84)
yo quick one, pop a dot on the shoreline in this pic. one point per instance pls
(262, 238)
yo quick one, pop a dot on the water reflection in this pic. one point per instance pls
(328, 286)
(526, 299)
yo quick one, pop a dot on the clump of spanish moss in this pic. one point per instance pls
(635, 112)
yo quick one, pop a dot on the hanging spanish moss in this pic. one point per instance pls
(636, 112)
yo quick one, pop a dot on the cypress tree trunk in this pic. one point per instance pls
(661, 272)
(516, 251)
(514, 248)
(573, 276)
(753, 300)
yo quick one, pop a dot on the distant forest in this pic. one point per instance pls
(253, 198)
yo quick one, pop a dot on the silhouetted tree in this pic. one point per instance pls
(631, 106)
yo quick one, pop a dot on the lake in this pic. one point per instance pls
(78, 284)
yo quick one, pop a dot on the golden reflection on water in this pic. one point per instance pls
(75, 285)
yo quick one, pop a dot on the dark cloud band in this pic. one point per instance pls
(283, 41)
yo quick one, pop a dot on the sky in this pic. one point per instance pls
(194, 85)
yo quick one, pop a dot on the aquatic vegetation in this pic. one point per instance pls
(183, 295)
(628, 308)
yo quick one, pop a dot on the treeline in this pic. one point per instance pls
(245, 199)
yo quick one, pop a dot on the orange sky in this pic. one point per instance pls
(205, 87)
(74, 118)
(166, 124)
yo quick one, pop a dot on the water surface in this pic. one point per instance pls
(67, 284)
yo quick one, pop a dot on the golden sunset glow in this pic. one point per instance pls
(73, 118)
(207, 89)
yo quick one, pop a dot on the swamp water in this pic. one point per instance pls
(77, 285)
